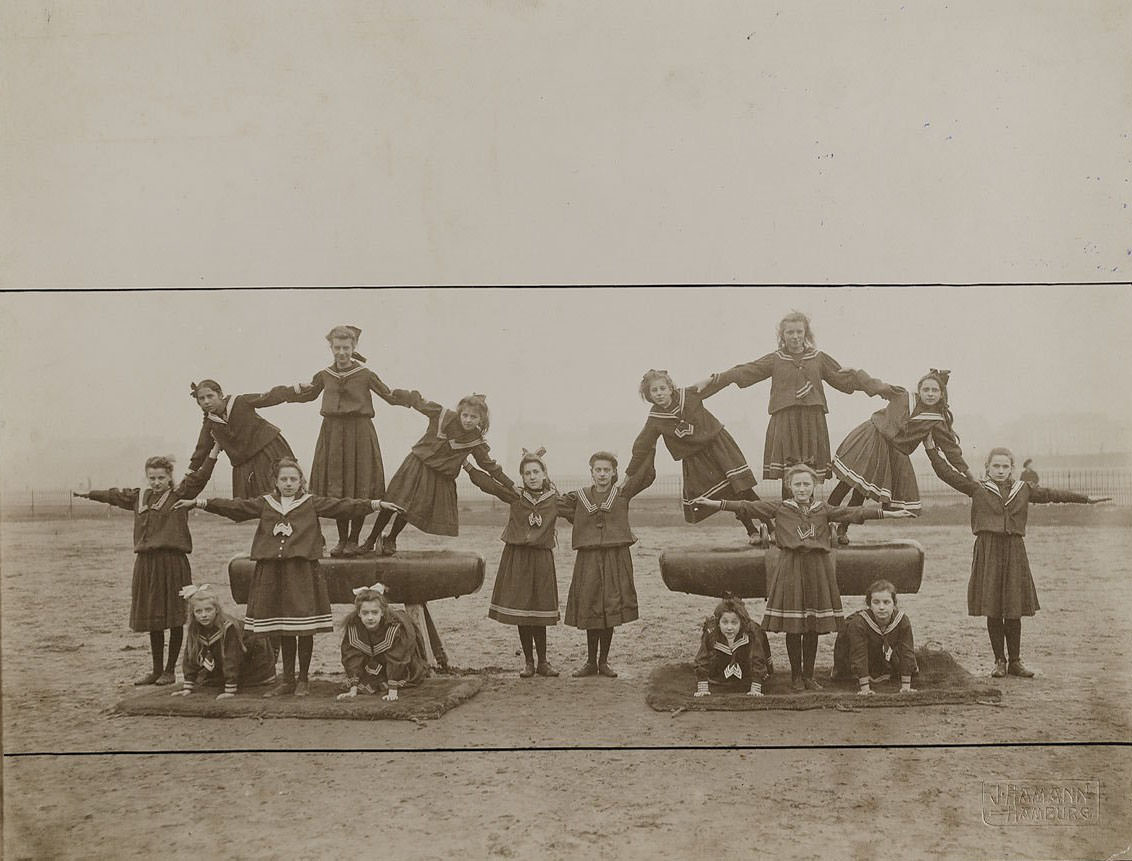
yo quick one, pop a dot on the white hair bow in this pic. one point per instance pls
(376, 587)
(190, 590)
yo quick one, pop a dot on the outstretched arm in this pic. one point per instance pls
(947, 443)
(341, 509)
(761, 509)
(382, 391)
(851, 380)
(238, 510)
(195, 482)
(482, 455)
(743, 375)
(126, 498)
(271, 398)
(414, 400)
(644, 448)
(1048, 494)
(202, 448)
(489, 485)
(965, 484)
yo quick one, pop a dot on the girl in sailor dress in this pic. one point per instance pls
(217, 651)
(347, 456)
(797, 432)
(602, 593)
(288, 595)
(382, 650)
(873, 461)
(526, 589)
(734, 654)
(712, 464)
(252, 443)
(1001, 585)
(802, 597)
(423, 490)
(877, 643)
(162, 543)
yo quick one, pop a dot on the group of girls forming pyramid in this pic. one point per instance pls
(382, 649)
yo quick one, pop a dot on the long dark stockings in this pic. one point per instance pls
(157, 649)
(533, 638)
(802, 649)
(838, 496)
(398, 524)
(383, 517)
(598, 641)
(1008, 630)
(748, 522)
(305, 648)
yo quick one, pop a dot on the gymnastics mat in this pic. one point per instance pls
(941, 682)
(743, 570)
(431, 699)
(411, 577)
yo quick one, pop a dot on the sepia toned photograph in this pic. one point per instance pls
(521, 431)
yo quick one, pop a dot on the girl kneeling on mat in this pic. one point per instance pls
(876, 644)
(381, 647)
(734, 653)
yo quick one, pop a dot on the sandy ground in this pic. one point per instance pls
(79, 782)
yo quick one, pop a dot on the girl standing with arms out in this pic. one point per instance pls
(526, 589)
(877, 643)
(382, 649)
(734, 654)
(252, 443)
(1001, 585)
(347, 456)
(602, 592)
(217, 653)
(711, 461)
(288, 594)
(162, 545)
(873, 461)
(423, 490)
(797, 432)
(802, 597)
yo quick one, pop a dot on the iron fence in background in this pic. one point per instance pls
(53, 503)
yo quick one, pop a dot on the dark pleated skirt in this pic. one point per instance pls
(347, 459)
(159, 575)
(717, 471)
(868, 462)
(796, 435)
(1001, 585)
(426, 497)
(253, 477)
(288, 596)
(602, 593)
(802, 594)
(526, 589)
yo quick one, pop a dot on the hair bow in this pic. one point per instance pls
(190, 590)
(538, 452)
(357, 333)
(379, 588)
(944, 374)
(193, 390)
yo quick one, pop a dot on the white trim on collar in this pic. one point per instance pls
(343, 374)
(282, 506)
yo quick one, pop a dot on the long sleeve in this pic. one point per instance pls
(126, 498)
(852, 514)
(638, 481)
(381, 390)
(644, 447)
(416, 401)
(195, 482)
(904, 647)
(190, 666)
(489, 486)
(482, 455)
(272, 397)
(703, 656)
(858, 635)
(948, 443)
(202, 448)
(404, 664)
(761, 509)
(307, 393)
(233, 658)
(238, 510)
(353, 660)
(949, 475)
(849, 380)
(743, 375)
(341, 509)
(1048, 494)
(568, 505)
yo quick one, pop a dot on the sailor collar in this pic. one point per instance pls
(990, 485)
(721, 645)
(673, 412)
(808, 354)
(897, 617)
(814, 506)
(446, 418)
(535, 500)
(355, 639)
(341, 375)
(924, 415)
(156, 504)
(211, 638)
(591, 506)
(283, 505)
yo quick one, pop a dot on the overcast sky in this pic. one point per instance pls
(118, 365)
